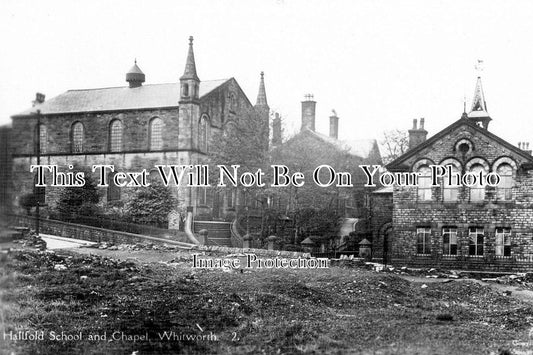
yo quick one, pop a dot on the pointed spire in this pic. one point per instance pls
(479, 112)
(190, 65)
(261, 95)
(479, 104)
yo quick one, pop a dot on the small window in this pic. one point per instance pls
(423, 240)
(503, 241)
(113, 191)
(115, 136)
(185, 90)
(505, 187)
(424, 184)
(449, 241)
(156, 133)
(77, 137)
(476, 238)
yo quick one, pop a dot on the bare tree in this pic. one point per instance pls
(395, 142)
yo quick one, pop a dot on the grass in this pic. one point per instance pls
(336, 310)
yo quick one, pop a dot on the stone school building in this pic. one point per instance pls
(459, 226)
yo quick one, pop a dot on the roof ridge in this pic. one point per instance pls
(152, 84)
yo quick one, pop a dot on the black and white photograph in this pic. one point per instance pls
(266, 177)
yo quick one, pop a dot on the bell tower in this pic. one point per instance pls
(189, 103)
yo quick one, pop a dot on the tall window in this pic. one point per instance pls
(477, 190)
(503, 241)
(449, 241)
(450, 192)
(424, 184)
(113, 191)
(115, 136)
(423, 240)
(156, 133)
(505, 187)
(476, 238)
(42, 138)
(202, 135)
(77, 137)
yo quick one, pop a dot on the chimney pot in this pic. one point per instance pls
(414, 123)
(422, 123)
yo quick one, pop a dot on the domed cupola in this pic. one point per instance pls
(135, 76)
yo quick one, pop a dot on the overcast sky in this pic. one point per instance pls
(379, 64)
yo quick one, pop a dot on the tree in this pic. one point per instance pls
(77, 201)
(244, 142)
(395, 143)
(150, 205)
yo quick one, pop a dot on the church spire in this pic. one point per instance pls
(189, 81)
(478, 112)
(261, 96)
(479, 103)
(190, 65)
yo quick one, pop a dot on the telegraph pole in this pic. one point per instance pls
(37, 195)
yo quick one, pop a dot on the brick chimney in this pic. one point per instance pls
(308, 113)
(334, 125)
(417, 135)
(276, 130)
(39, 99)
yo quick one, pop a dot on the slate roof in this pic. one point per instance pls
(358, 147)
(118, 98)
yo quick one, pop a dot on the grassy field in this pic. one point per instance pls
(122, 307)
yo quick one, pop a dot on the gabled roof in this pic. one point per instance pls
(398, 163)
(118, 98)
(357, 147)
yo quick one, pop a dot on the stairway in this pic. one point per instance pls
(219, 232)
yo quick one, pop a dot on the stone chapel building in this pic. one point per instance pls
(132, 127)
(470, 226)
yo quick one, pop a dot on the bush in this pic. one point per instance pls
(75, 201)
(150, 205)
(28, 201)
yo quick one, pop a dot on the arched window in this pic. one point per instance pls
(203, 134)
(115, 136)
(505, 187)
(424, 183)
(450, 185)
(477, 190)
(77, 137)
(185, 88)
(41, 136)
(156, 134)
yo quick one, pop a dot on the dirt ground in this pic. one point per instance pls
(153, 302)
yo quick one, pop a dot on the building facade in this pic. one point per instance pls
(133, 127)
(466, 223)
